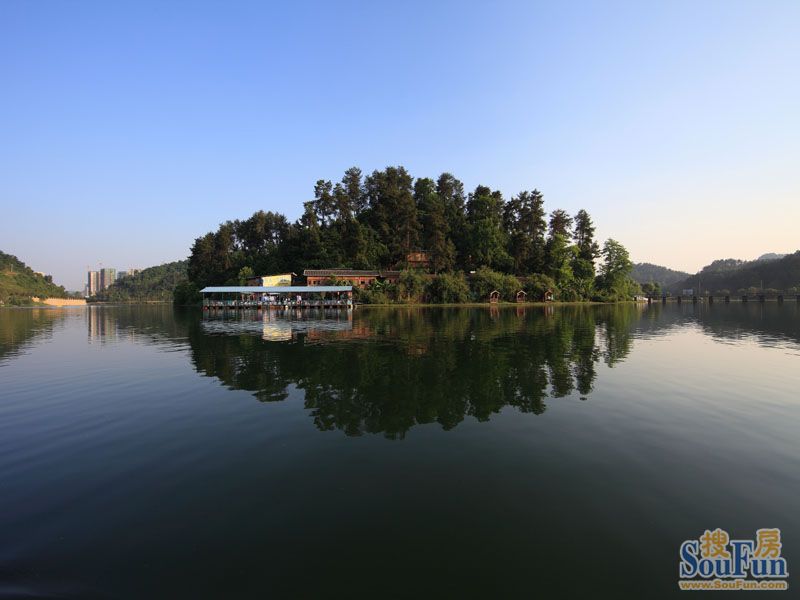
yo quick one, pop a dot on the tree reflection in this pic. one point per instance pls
(21, 327)
(397, 368)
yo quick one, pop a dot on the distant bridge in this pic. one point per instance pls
(711, 298)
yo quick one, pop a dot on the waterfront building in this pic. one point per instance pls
(281, 280)
(354, 277)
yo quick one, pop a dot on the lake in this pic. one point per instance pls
(536, 452)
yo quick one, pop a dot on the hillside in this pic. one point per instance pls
(151, 284)
(734, 276)
(18, 282)
(650, 273)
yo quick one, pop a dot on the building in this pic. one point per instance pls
(282, 280)
(107, 277)
(418, 260)
(355, 277)
(93, 282)
(121, 274)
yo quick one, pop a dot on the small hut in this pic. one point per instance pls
(522, 296)
(548, 295)
(494, 297)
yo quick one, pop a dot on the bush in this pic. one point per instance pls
(186, 294)
(448, 288)
(485, 281)
(537, 284)
(410, 286)
(376, 293)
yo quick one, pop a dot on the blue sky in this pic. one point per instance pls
(129, 129)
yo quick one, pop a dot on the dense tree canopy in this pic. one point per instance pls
(375, 221)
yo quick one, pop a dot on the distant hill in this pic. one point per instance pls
(650, 273)
(18, 282)
(151, 284)
(734, 275)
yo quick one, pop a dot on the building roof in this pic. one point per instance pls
(340, 273)
(292, 289)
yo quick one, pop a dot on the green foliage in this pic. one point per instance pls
(536, 285)
(587, 251)
(485, 281)
(377, 293)
(523, 218)
(435, 228)
(186, 293)
(651, 289)
(154, 284)
(245, 273)
(486, 238)
(614, 282)
(18, 283)
(410, 286)
(560, 258)
(447, 288)
(374, 222)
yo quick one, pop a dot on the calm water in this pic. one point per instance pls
(448, 452)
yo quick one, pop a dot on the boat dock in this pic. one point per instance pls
(277, 297)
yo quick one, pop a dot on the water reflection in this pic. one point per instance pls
(21, 327)
(387, 370)
(278, 326)
(384, 371)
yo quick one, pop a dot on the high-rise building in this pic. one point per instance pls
(107, 277)
(93, 282)
(121, 274)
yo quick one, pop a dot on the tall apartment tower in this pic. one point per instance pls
(93, 282)
(107, 277)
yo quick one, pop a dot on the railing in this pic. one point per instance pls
(259, 305)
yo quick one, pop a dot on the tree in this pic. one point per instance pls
(435, 230)
(560, 223)
(410, 285)
(537, 284)
(652, 289)
(245, 273)
(351, 182)
(560, 254)
(448, 288)
(186, 293)
(614, 279)
(486, 240)
(451, 192)
(392, 211)
(560, 257)
(583, 234)
(376, 221)
(524, 222)
(587, 251)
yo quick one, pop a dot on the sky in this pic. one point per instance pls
(128, 129)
